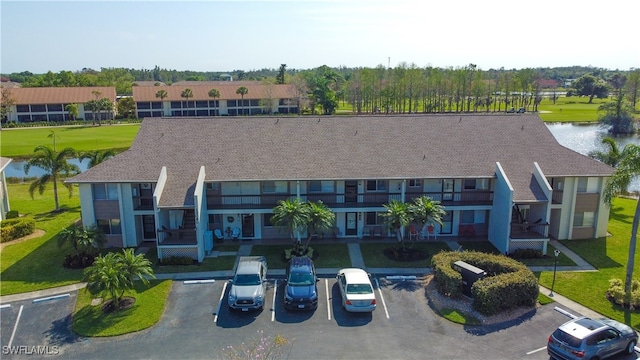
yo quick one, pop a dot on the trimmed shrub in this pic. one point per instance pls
(508, 283)
(526, 254)
(12, 214)
(16, 228)
(177, 260)
(617, 295)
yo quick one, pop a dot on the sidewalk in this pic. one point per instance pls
(356, 261)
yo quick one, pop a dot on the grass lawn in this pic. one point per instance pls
(609, 255)
(373, 254)
(330, 255)
(89, 320)
(37, 263)
(548, 260)
(20, 142)
(570, 109)
(208, 264)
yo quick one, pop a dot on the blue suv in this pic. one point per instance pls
(301, 291)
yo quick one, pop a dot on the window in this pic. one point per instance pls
(274, 187)
(467, 217)
(266, 220)
(156, 105)
(109, 226)
(582, 185)
(105, 192)
(202, 104)
(176, 104)
(584, 219)
(415, 182)
(143, 105)
(54, 107)
(325, 186)
(376, 185)
(374, 218)
(231, 103)
(22, 108)
(38, 108)
(470, 184)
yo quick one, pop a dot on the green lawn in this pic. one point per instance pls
(20, 142)
(89, 320)
(609, 255)
(330, 255)
(374, 257)
(208, 264)
(570, 109)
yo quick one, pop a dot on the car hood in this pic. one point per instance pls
(246, 291)
(619, 326)
(309, 291)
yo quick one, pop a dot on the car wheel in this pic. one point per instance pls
(631, 347)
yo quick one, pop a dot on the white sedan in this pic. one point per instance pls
(356, 290)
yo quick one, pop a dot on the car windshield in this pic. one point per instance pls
(359, 289)
(250, 279)
(301, 279)
(567, 338)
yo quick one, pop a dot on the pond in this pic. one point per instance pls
(580, 138)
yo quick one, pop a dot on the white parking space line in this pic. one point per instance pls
(51, 298)
(4, 306)
(326, 286)
(224, 288)
(15, 327)
(384, 305)
(536, 350)
(205, 281)
(273, 307)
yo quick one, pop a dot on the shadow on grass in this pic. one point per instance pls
(50, 215)
(617, 213)
(594, 251)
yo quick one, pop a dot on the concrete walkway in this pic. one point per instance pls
(356, 261)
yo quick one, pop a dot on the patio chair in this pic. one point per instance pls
(431, 231)
(377, 231)
(413, 233)
(218, 234)
(236, 233)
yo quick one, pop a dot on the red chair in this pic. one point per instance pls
(413, 233)
(431, 231)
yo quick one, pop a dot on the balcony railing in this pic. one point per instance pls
(529, 231)
(143, 202)
(370, 199)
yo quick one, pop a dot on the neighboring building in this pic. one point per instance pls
(4, 195)
(260, 99)
(501, 177)
(48, 103)
(148, 83)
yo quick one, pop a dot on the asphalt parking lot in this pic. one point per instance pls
(197, 324)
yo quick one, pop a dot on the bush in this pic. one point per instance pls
(617, 295)
(177, 260)
(16, 228)
(12, 214)
(508, 283)
(526, 254)
(79, 261)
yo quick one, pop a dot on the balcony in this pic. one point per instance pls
(529, 231)
(143, 202)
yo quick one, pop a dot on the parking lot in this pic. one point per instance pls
(197, 324)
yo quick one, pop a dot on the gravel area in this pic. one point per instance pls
(464, 305)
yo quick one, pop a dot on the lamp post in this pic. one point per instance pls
(556, 252)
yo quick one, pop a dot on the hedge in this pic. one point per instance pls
(508, 283)
(16, 228)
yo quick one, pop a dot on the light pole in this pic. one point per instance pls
(556, 252)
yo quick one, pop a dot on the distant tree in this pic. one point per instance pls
(161, 94)
(126, 107)
(96, 156)
(242, 91)
(281, 71)
(618, 115)
(93, 106)
(72, 110)
(5, 104)
(591, 86)
(104, 104)
(632, 87)
(55, 165)
(215, 94)
(187, 94)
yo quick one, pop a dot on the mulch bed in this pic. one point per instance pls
(125, 303)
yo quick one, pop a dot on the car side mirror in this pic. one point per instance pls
(230, 281)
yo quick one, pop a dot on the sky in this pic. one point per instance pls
(42, 36)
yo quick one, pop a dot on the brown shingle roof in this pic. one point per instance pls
(60, 95)
(227, 92)
(358, 147)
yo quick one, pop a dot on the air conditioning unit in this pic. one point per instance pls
(145, 186)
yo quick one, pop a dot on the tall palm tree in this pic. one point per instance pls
(610, 157)
(55, 166)
(214, 93)
(72, 109)
(321, 219)
(292, 214)
(397, 217)
(162, 94)
(186, 93)
(426, 210)
(242, 91)
(628, 168)
(96, 156)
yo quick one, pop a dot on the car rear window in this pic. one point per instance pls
(359, 289)
(567, 338)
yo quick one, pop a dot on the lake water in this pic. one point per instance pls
(581, 138)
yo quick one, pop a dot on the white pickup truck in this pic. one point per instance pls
(249, 284)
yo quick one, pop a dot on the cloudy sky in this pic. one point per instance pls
(41, 36)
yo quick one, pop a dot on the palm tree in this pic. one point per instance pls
(321, 219)
(93, 106)
(55, 165)
(72, 109)
(96, 156)
(114, 273)
(292, 214)
(82, 239)
(214, 93)
(426, 210)
(611, 157)
(397, 217)
(628, 168)
(187, 93)
(162, 94)
(242, 91)
(106, 105)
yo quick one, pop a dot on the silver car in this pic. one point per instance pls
(356, 290)
(585, 338)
